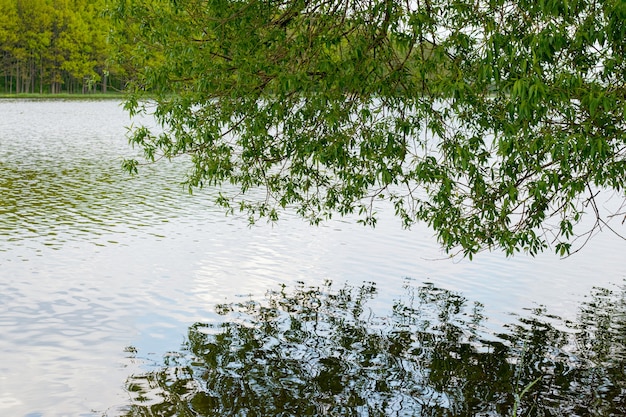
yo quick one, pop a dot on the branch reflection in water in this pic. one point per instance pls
(323, 351)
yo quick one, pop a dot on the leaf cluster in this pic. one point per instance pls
(495, 122)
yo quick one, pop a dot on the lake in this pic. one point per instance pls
(110, 283)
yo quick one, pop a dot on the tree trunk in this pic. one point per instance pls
(32, 74)
(41, 74)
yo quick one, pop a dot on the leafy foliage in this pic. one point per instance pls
(495, 122)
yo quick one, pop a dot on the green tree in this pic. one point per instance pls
(28, 46)
(8, 40)
(101, 50)
(495, 122)
(73, 42)
(79, 45)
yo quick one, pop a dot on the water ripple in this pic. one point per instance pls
(65, 190)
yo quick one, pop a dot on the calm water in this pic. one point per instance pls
(104, 276)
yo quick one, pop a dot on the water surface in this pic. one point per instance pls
(102, 274)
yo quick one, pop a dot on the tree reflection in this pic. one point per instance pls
(322, 351)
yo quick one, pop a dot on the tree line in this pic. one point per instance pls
(54, 46)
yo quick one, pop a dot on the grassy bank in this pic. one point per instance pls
(64, 96)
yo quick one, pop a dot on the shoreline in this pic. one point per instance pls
(64, 96)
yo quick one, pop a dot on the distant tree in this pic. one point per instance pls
(496, 122)
(74, 44)
(53, 45)
(8, 41)
(25, 48)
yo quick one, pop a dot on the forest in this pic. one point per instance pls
(56, 46)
